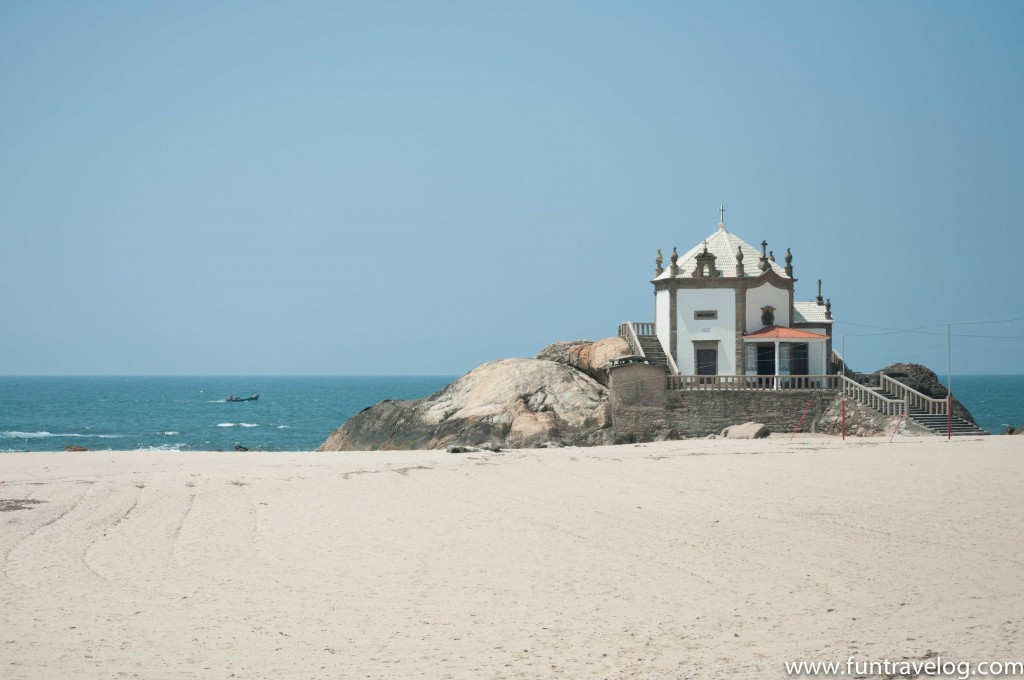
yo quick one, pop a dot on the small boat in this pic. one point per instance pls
(252, 398)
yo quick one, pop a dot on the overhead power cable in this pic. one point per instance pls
(967, 323)
(919, 329)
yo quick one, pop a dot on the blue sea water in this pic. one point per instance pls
(995, 401)
(189, 413)
(292, 414)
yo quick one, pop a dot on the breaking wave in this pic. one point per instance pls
(14, 434)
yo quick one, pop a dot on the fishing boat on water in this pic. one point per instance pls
(234, 398)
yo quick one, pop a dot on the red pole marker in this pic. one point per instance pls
(801, 421)
(898, 423)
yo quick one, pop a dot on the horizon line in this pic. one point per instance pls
(311, 375)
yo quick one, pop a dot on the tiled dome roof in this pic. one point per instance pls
(723, 244)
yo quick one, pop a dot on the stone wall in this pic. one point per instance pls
(642, 410)
(636, 397)
(699, 413)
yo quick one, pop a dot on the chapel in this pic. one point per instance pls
(726, 308)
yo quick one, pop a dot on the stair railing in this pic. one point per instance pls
(912, 397)
(672, 368)
(628, 333)
(762, 383)
(869, 397)
(838, 363)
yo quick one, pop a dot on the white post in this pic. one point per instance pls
(842, 382)
(777, 368)
(949, 381)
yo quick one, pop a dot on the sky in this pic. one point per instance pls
(389, 188)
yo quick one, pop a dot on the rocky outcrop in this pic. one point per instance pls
(512, 403)
(592, 358)
(75, 447)
(560, 398)
(924, 380)
(1015, 430)
(861, 420)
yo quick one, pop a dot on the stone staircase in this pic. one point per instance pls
(653, 351)
(937, 422)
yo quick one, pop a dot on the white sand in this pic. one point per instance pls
(709, 559)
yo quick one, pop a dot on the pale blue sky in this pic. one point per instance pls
(418, 188)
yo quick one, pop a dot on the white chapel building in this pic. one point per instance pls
(726, 308)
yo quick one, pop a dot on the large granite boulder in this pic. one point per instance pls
(924, 380)
(746, 431)
(513, 403)
(592, 358)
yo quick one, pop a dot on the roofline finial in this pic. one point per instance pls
(721, 212)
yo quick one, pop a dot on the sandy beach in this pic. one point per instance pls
(706, 559)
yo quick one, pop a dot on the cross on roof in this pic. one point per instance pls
(721, 211)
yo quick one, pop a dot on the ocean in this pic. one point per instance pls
(189, 413)
(995, 401)
(292, 414)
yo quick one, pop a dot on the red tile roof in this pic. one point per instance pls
(783, 333)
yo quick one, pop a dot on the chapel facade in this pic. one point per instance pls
(726, 308)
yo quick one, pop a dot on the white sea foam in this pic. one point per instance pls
(284, 427)
(226, 424)
(14, 434)
(171, 433)
(249, 424)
